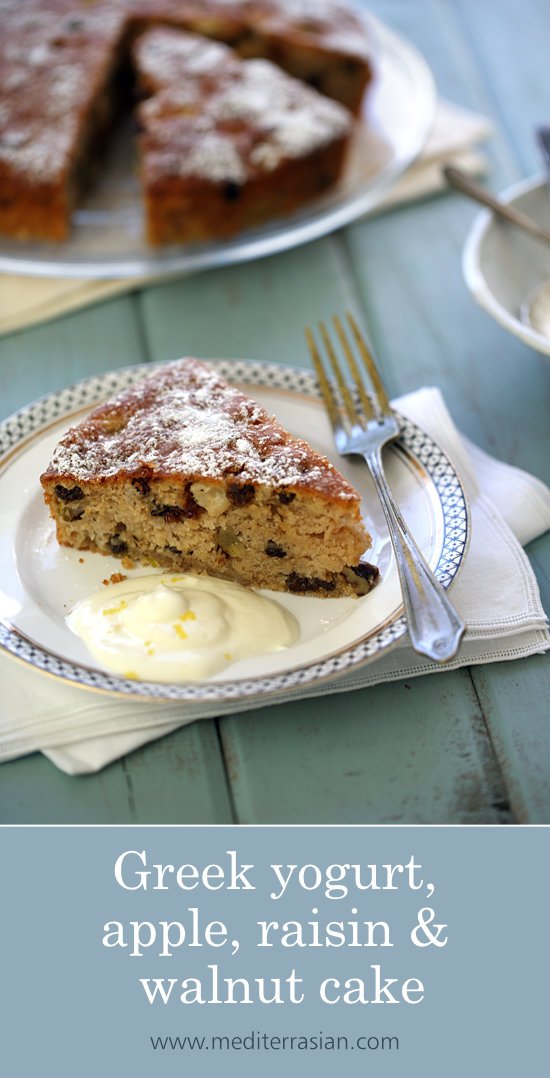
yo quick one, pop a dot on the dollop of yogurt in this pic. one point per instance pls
(177, 628)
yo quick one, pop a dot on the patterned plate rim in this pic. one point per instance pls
(37, 416)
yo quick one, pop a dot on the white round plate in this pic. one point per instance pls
(107, 239)
(503, 266)
(40, 582)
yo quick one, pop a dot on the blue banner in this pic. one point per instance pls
(393, 951)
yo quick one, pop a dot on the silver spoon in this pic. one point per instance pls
(460, 181)
(535, 309)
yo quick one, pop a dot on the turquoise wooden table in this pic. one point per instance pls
(470, 746)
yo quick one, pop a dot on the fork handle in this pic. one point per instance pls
(435, 629)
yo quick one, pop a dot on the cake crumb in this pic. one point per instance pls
(81, 560)
(116, 578)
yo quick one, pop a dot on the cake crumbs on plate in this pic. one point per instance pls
(115, 578)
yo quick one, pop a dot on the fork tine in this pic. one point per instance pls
(365, 400)
(326, 390)
(345, 395)
(377, 383)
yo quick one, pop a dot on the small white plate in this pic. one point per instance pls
(107, 238)
(40, 582)
(503, 266)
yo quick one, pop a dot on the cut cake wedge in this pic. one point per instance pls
(184, 472)
(226, 143)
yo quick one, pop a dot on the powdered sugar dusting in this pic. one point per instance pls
(53, 55)
(161, 56)
(233, 118)
(184, 421)
(332, 22)
(216, 157)
(52, 65)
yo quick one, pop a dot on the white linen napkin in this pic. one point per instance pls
(495, 592)
(25, 301)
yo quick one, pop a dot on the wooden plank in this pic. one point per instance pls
(509, 39)
(254, 311)
(514, 698)
(45, 358)
(426, 326)
(436, 28)
(178, 779)
(410, 752)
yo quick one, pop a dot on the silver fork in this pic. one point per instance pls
(435, 629)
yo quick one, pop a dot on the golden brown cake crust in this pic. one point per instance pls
(227, 143)
(185, 420)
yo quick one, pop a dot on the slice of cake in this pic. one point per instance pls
(185, 472)
(227, 143)
(322, 42)
(58, 97)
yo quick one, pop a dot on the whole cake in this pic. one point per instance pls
(65, 73)
(185, 472)
(228, 143)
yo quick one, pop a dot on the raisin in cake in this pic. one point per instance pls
(65, 74)
(228, 143)
(185, 472)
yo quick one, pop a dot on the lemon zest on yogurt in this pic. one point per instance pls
(108, 612)
(146, 624)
